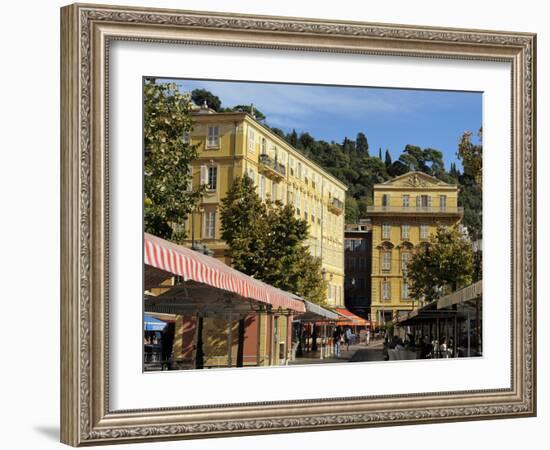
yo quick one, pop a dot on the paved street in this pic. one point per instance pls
(356, 353)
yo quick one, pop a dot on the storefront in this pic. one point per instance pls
(224, 318)
(448, 327)
(313, 332)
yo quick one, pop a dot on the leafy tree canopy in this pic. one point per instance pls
(167, 202)
(268, 242)
(445, 262)
(250, 109)
(200, 96)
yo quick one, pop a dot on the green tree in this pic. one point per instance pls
(243, 227)
(268, 242)
(471, 155)
(352, 212)
(199, 96)
(310, 282)
(445, 262)
(362, 144)
(250, 109)
(167, 120)
(387, 159)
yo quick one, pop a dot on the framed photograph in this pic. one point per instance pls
(276, 224)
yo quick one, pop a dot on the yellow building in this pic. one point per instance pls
(406, 211)
(233, 144)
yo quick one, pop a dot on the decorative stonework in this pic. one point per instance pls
(415, 181)
(204, 21)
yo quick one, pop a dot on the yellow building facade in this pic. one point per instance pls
(406, 211)
(233, 144)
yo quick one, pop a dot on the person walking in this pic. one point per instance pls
(348, 337)
(336, 336)
(367, 336)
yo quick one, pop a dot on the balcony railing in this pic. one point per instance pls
(416, 209)
(336, 205)
(276, 167)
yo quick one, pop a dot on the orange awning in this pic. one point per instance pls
(350, 319)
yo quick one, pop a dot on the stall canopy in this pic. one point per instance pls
(316, 313)
(205, 280)
(152, 324)
(347, 318)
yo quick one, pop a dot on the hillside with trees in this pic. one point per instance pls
(353, 162)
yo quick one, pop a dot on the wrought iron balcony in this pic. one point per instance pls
(271, 167)
(336, 205)
(421, 210)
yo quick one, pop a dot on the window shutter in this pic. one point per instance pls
(204, 175)
(429, 201)
(418, 201)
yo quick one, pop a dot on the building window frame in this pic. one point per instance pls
(386, 231)
(261, 186)
(406, 200)
(209, 231)
(251, 140)
(385, 263)
(213, 137)
(405, 291)
(405, 232)
(405, 259)
(424, 231)
(385, 291)
(443, 202)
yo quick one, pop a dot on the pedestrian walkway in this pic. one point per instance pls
(373, 352)
(356, 353)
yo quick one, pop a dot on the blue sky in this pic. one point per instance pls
(390, 118)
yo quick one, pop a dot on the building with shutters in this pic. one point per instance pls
(233, 144)
(406, 211)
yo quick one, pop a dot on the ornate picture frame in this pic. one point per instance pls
(86, 34)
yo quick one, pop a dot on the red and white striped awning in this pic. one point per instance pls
(191, 265)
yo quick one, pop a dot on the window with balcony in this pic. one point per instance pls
(406, 200)
(213, 139)
(424, 201)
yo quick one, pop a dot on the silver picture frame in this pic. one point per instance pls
(87, 32)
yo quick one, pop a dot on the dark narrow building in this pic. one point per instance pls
(358, 267)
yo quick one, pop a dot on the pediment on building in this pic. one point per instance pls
(415, 180)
